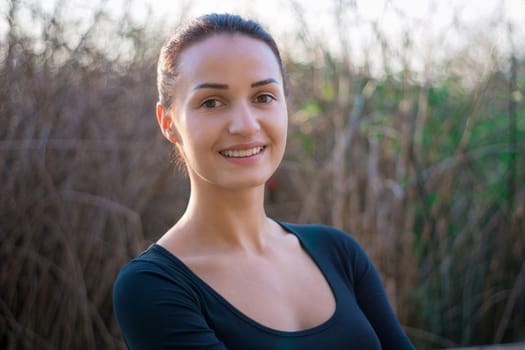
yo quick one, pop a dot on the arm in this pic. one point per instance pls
(155, 312)
(373, 300)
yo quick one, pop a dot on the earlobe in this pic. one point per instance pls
(166, 124)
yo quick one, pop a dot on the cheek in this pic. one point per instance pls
(198, 136)
(282, 125)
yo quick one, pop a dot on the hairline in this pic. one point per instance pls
(190, 35)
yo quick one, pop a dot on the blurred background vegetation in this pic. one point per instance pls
(424, 166)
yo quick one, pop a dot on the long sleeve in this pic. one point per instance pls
(373, 300)
(154, 311)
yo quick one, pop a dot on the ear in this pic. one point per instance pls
(166, 124)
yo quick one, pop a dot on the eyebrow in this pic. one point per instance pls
(264, 82)
(210, 86)
(225, 86)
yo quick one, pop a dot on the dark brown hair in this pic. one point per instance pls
(197, 30)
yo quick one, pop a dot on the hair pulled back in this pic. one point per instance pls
(197, 30)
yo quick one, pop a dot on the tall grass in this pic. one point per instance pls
(81, 167)
(428, 174)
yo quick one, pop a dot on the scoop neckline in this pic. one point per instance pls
(236, 311)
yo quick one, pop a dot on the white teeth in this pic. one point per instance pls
(238, 153)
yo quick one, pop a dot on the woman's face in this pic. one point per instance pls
(229, 114)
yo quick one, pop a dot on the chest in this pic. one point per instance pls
(276, 292)
(346, 328)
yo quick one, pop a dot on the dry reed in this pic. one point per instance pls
(85, 185)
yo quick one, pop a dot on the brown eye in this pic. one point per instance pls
(211, 103)
(265, 98)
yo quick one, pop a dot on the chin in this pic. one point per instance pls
(245, 184)
(238, 180)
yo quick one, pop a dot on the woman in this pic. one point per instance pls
(226, 276)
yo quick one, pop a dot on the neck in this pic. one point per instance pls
(226, 218)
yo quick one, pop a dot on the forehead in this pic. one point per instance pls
(227, 56)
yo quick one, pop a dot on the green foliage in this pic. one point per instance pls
(327, 92)
(438, 96)
(446, 144)
(472, 199)
(311, 110)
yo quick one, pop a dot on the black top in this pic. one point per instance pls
(161, 304)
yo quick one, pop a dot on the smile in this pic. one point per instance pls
(241, 153)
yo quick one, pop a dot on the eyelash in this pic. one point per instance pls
(270, 97)
(206, 104)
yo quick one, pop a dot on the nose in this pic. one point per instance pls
(244, 120)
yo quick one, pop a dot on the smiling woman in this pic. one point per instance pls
(226, 276)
